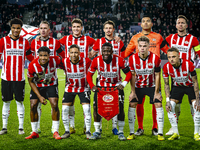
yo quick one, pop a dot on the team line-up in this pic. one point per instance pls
(142, 70)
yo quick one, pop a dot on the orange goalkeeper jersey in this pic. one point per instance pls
(155, 42)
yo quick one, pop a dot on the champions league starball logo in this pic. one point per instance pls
(108, 98)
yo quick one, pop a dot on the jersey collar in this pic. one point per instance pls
(184, 35)
(77, 37)
(14, 39)
(75, 63)
(146, 57)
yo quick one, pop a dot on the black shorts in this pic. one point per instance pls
(46, 92)
(8, 88)
(70, 96)
(120, 98)
(141, 92)
(177, 93)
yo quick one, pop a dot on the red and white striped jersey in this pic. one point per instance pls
(144, 69)
(76, 75)
(84, 42)
(108, 74)
(51, 43)
(14, 52)
(181, 76)
(118, 48)
(44, 76)
(185, 45)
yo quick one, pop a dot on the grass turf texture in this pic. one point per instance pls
(12, 140)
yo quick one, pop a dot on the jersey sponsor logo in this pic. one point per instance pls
(182, 49)
(145, 71)
(75, 75)
(108, 98)
(109, 74)
(181, 79)
(15, 52)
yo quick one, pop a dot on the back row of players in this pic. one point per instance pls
(145, 65)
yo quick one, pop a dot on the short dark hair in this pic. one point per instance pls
(173, 49)
(147, 15)
(107, 44)
(109, 22)
(143, 38)
(16, 21)
(77, 20)
(74, 46)
(44, 49)
(182, 16)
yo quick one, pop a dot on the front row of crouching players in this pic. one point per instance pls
(108, 66)
(185, 81)
(145, 69)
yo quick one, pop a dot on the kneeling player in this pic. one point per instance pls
(108, 66)
(184, 82)
(76, 69)
(43, 82)
(145, 68)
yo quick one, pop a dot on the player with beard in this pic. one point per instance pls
(184, 81)
(118, 49)
(188, 47)
(54, 45)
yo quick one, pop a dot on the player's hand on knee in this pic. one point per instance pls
(95, 89)
(43, 100)
(197, 105)
(157, 96)
(120, 87)
(132, 96)
(168, 106)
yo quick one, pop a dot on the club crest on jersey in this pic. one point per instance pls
(81, 68)
(153, 39)
(150, 64)
(115, 44)
(114, 69)
(184, 72)
(137, 65)
(20, 44)
(81, 41)
(108, 98)
(186, 42)
(50, 45)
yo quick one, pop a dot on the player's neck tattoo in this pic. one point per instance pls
(44, 38)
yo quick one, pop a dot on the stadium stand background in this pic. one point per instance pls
(126, 14)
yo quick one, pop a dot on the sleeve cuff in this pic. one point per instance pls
(124, 83)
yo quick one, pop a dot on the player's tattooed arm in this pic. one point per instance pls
(167, 88)
(196, 91)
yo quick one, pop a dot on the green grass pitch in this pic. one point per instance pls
(108, 141)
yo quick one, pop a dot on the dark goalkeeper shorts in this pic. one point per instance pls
(8, 88)
(177, 93)
(46, 92)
